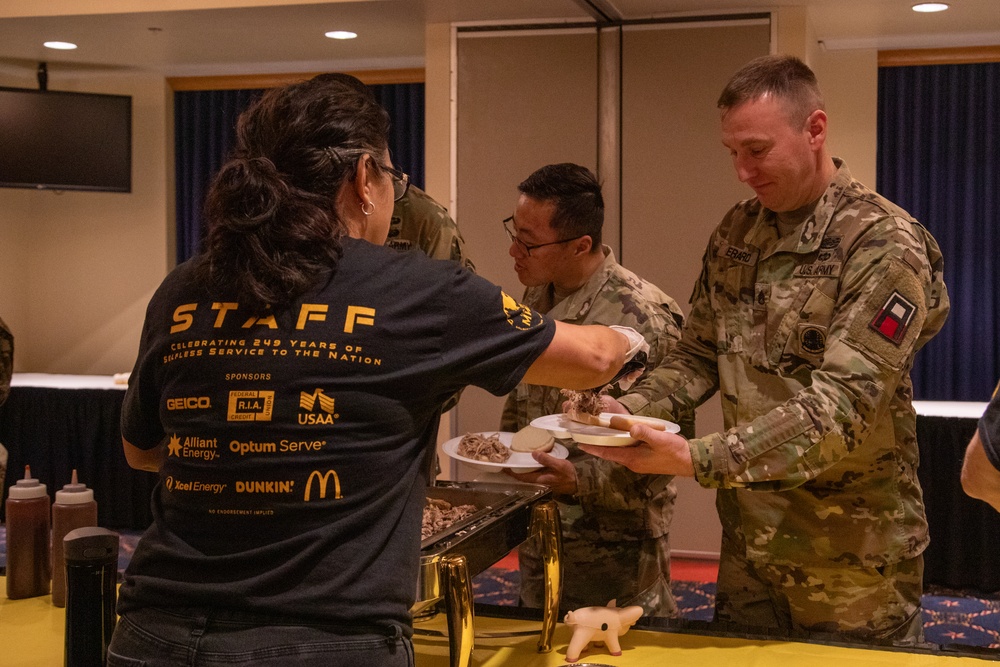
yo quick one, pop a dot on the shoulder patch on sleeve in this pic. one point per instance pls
(892, 321)
(890, 317)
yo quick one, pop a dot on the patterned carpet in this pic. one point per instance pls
(950, 617)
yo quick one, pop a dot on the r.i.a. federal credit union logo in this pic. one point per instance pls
(250, 406)
(518, 315)
(316, 408)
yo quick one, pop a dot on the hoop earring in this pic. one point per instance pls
(369, 210)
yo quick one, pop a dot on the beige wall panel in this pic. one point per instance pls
(849, 81)
(82, 265)
(677, 183)
(524, 100)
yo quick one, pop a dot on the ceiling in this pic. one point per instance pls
(276, 36)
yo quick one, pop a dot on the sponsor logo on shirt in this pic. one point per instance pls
(265, 486)
(283, 446)
(309, 402)
(323, 480)
(250, 406)
(175, 485)
(193, 447)
(189, 403)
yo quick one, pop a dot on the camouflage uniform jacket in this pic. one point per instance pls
(6, 360)
(810, 339)
(614, 503)
(420, 222)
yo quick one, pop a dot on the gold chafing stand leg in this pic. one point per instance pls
(546, 527)
(457, 589)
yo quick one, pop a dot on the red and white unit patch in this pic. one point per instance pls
(893, 319)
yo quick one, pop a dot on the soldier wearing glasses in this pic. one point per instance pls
(616, 523)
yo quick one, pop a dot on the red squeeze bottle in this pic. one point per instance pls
(28, 521)
(74, 508)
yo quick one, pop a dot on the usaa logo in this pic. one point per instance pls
(318, 408)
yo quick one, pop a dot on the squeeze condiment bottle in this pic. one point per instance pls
(74, 508)
(28, 522)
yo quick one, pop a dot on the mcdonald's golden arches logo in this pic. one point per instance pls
(324, 480)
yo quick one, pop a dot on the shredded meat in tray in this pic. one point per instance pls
(440, 514)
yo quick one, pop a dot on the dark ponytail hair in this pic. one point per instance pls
(273, 227)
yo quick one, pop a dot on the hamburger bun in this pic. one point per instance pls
(531, 439)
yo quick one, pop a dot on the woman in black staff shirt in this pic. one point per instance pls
(288, 390)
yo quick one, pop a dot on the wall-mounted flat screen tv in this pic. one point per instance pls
(65, 141)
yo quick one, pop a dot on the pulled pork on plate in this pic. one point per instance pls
(481, 447)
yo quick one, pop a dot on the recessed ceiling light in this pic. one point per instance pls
(63, 46)
(930, 7)
(341, 34)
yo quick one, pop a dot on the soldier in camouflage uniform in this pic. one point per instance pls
(615, 523)
(6, 371)
(420, 222)
(814, 297)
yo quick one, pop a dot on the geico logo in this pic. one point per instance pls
(189, 403)
(324, 479)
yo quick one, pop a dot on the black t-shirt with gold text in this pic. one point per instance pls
(298, 445)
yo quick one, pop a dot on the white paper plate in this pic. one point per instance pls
(561, 426)
(518, 461)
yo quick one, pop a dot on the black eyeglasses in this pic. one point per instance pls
(508, 226)
(400, 182)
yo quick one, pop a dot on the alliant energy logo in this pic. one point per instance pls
(250, 406)
(193, 447)
(309, 404)
(323, 480)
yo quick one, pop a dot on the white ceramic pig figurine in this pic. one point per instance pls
(598, 624)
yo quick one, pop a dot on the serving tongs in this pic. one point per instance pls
(617, 422)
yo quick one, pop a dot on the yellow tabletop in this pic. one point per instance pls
(645, 648)
(31, 634)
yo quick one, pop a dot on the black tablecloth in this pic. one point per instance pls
(57, 430)
(965, 533)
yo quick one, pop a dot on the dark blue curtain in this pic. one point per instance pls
(204, 130)
(938, 155)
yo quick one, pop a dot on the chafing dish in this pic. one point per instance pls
(505, 516)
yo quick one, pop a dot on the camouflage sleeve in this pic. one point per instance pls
(610, 486)
(6, 360)
(603, 486)
(509, 420)
(852, 388)
(688, 376)
(443, 240)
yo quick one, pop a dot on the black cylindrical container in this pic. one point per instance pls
(91, 578)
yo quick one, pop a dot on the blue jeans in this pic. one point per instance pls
(158, 637)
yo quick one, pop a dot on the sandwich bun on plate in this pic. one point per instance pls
(531, 439)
